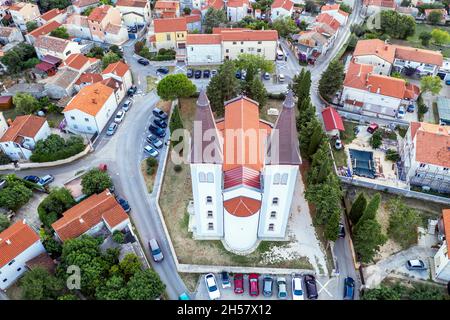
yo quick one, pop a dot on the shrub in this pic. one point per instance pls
(392, 155)
(4, 159)
(95, 181)
(152, 164)
(56, 148)
(118, 237)
(376, 140)
(177, 168)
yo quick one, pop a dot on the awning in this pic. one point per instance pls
(44, 66)
(51, 59)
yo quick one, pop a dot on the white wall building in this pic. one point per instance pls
(204, 49)
(237, 10)
(134, 12)
(56, 47)
(281, 9)
(442, 257)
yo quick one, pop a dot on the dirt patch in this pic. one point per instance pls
(190, 280)
(14, 292)
(390, 247)
(29, 210)
(164, 105)
(151, 83)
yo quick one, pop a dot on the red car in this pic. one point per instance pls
(372, 128)
(238, 283)
(253, 284)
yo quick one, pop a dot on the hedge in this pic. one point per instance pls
(56, 148)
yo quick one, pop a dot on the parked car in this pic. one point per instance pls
(253, 284)
(184, 296)
(297, 290)
(415, 264)
(143, 61)
(211, 285)
(338, 144)
(163, 70)
(206, 73)
(127, 105)
(266, 76)
(401, 112)
(372, 128)
(197, 74)
(311, 287)
(119, 116)
(33, 179)
(45, 180)
(225, 280)
(159, 113)
(190, 73)
(281, 77)
(238, 74)
(282, 288)
(131, 91)
(160, 123)
(213, 72)
(447, 82)
(154, 141)
(349, 288)
(152, 152)
(238, 281)
(124, 204)
(112, 129)
(441, 75)
(267, 286)
(341, 233)
(243, 74)
(157, 131)
(155, 250)
(410, 108)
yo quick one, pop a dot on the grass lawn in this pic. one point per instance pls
(349, 134)
(151, 83)
(340, 157)
(271, 103)
(414, 40)
(190, 280)
(54, 119)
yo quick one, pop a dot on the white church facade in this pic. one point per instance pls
(244, 172)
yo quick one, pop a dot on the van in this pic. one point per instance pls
(281, 77)
(155, 250)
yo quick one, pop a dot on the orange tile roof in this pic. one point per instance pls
(89, 78)
(84, 3)
(249, 35)
(15, 240)
(51, 43)
(164, 5)
(356, 75)
(99, 13)
(375, 47)
(216, 4)
(169, 14)
(432, 143)
(419, 55)
(118, 68)
(242, 206)
(193, 18)
(285, 4)
(387, 86)
(88, 213)
(51, 14)
(170, 25)
(343, 13)
(330, 7)
(45, 29)
(90, 99)
(193, 39)
(76, 61)
(329, 20)
(446, 219)
(237, 3)
(132, 3)
(23, 126)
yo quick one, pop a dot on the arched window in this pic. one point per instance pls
(202, 177)
(210, 177)
(276, 178)
(284, 178)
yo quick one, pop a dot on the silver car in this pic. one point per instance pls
(282, 288)
(155, 250)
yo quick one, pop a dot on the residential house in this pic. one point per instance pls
(62, 84)
(135, 12)
(443, 106)
(281, 9)
(372, 94)
(409, 11)
(105, 24)
(194, 22)
(10, 35)
(425, 156)
(43, 30)
(170, 33)
(94, 215)
(81, 63)
(86, 79)
(387, 58)
(335, 11)
(204, 49)
(57, 47)
(78, 26)
(37, 90)
(167, 9)
(374, 6)
(118, 76)
(90, 109)
(443, 13)
(419, 2)
(309, 45)
(23, 12)
(441, 260)
(79, 6)
(230, 203)
(48, 65)
(18, 244)
(19, 141)
(237, 10)
(333, 121)
(203, 6)
(57, 15)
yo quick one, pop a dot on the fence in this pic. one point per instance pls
(394, 190)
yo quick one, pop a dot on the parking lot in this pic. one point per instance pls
(327, 288)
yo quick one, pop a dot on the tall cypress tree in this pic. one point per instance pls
(358, 207)
(331, 80)
(304, 86)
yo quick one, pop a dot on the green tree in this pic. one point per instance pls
(310, 6)
(285, 26)
(129, 266)
(4, 222)
(39, 284)
(368, 239)
(223, 87)
(440, 37)
(332, 80)
(68, 296)
(145, 285)
(115, 48)
(118, 237)
(31, 25)
(14, 195)
(214, 18)
(345, 7)
(53, 247)
(403, 223)
(47, 5)
(96, 52)
(321, 166)
(4, 159)
(114, 289)
(425, 38)
(253, 63)
(109, 58)
(435, 17)
(187, 11)
(60, 32)
(301, 84)
(371, 210)
(397, 25)
(257, 92)
(175, 86)
(432, 84)
(138, 46)
(381, 293)
(55, 148)
(317, 139)
(175, 123)
(54, 205)
(25, 103)
(95, 181)
(426, 292)
(376, 140)
(358, 208)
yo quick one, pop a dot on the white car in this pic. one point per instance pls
(127, 105)
(211, 285)
(401, 112)
(152, 152)
(119, 116)
(338, 144)
(297, 290)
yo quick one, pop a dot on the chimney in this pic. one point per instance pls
(8, 241)
(94, 101)
(81, 220)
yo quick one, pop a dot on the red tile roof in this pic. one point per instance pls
(166, 5)
(51, 14)
(193, 18)
(332, 119)
(84, 3)
(446, 218)
(432, 143)
(118, 68)
(99, 13)
(90, 99)
(380, 3)
(375, 47)
(285, 4)
(216, 4)
(89, 78)
(169, 14)
(23, 126)
(15, 240)
(132, 3)
(330, 7)
(45, 29)
(237, 3)
(419, 55)
(88, 213)
(170, 25)
(76, 61)
(329, 20)
(242, 206)
(241, 176)
(193, 39)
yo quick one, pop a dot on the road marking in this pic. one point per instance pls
(323, 287)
